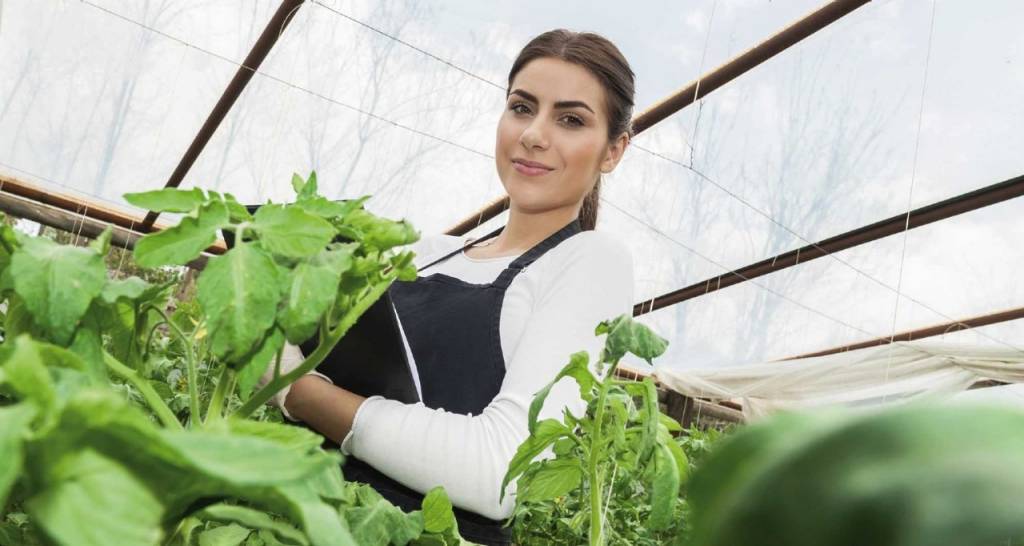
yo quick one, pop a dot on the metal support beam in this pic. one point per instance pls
(257, 54)
(922, 333)
(973, 200)
(697, 89)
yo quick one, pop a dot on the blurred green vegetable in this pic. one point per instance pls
(914, 476)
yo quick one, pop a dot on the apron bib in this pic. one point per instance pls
(453, 331)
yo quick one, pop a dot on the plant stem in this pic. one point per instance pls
(596, 519)
(153, 399)
(190, 362)
(322, 350)
(225, 384)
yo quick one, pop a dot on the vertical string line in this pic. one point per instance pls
(910, 195)
(691, 145)
(696, 91)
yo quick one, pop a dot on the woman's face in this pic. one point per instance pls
(553, 136)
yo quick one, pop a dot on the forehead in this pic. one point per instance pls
(553, 80)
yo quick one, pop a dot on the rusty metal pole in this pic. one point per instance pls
(973, 200)
(257, 54)
(921, 333)
(697, 89)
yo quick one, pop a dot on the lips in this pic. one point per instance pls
(530, 168)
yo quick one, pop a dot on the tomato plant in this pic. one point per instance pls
(617, 471)
(107, 434)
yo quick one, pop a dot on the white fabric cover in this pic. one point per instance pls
(890, 373)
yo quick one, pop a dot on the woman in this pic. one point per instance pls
(488, 323)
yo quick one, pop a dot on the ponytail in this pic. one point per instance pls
(588, 212)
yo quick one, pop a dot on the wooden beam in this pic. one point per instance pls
(75, 204)
(79, 224)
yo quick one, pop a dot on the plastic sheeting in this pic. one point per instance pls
(894, 373)
(102, 97)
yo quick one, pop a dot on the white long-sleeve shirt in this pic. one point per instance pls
(549, 312)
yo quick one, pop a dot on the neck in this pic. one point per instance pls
(524, 229)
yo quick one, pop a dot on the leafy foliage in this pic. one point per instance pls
(124, 423)
(617, 472)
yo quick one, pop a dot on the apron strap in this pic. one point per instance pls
(490, 235)
(509, 274)
(527, 258)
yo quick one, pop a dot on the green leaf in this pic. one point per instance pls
(297, 183)
(578, 369)
(253, 519)
(91, 500)
(184, 242)
(239, 294)
(312, 291)
(628, 336)
(649, 418)
(14, 423)
(553, 479)
(664, 486)
(131, 288)
(438, 516)
(330, 485)
(167, 199)
(299, 439)
(18, 319)
(308, 189)
(57, 284)
(242, 460)
(682, 461)
(669, 423)
(322, 207)
(236, 211)
(228, 535)
(88, 345)
(289, 231)
(403, 264)
(319, 520)
(544, 434)
(378, 522)
(101, 245)
(250, 373)
(25, 372)
(380, 233)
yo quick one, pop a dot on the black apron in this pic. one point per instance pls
(453, 331)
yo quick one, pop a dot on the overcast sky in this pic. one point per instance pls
(828, 136)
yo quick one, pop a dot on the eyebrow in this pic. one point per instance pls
(558, 105)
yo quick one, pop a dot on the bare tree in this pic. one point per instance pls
(824, 148)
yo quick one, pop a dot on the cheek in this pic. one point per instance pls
(582, 155)
(507, 133)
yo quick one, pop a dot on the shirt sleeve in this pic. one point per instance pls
(589, 281)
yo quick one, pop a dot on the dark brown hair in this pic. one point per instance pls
(602, 59)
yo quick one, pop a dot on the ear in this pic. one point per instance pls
(613, 154)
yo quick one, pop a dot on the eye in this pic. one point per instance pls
(519, 108)
(573, 120)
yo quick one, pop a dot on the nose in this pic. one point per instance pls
(534, 136)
